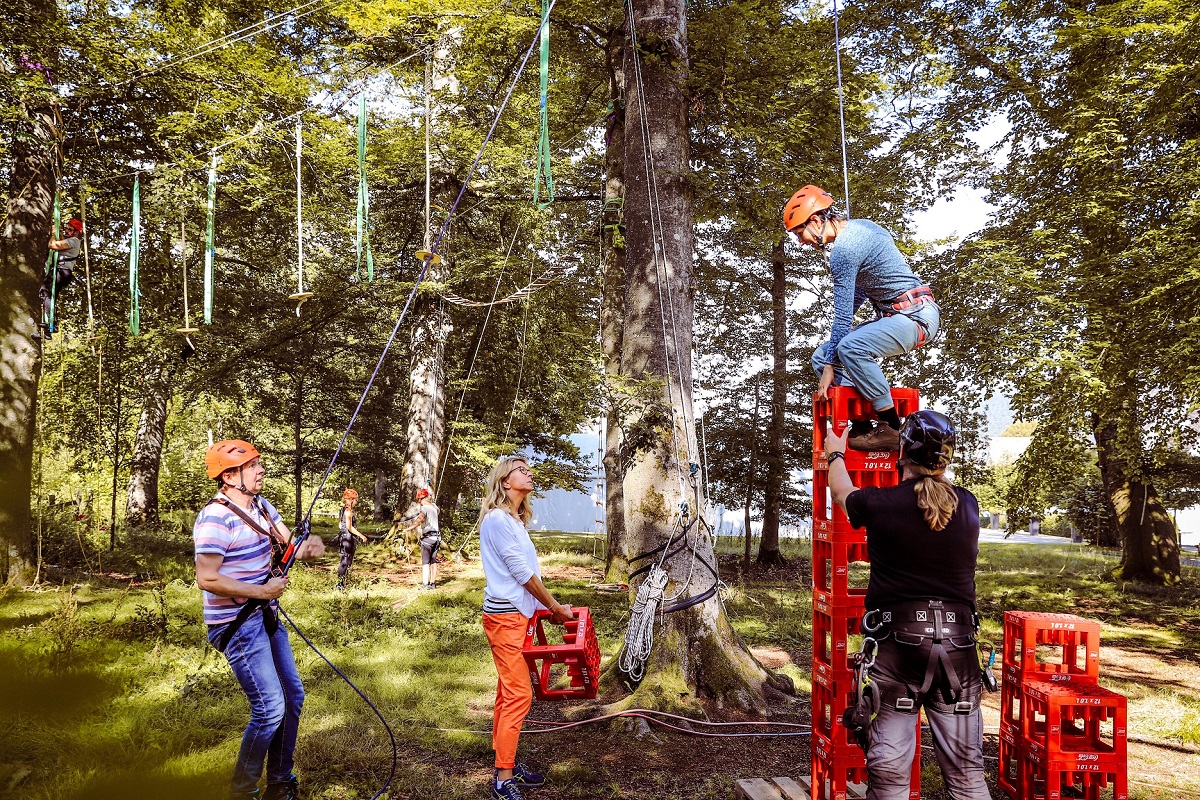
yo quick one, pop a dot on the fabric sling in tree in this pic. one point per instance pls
(363, 243)
(135, 315)
(210, 250)
(50, 313)
(543, 165)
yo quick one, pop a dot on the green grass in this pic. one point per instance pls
(110, 689)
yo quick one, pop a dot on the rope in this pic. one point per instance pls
(837, 41)
(135, 312)
(210, 248)
(87, 268)
(545, 279)
(359, 692)
(639, 638)
(543, 160)
(50, 315)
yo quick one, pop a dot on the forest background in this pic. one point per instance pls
(1074, 299)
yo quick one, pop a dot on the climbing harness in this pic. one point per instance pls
(858, 716)
(986, 664)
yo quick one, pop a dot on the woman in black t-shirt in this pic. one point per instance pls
(923, 541)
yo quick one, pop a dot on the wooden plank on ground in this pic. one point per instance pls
(790, 789)
(757, 789)
(854, 791)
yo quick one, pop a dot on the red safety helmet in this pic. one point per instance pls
(229, 454)
(804, 204)
(422, 493)
(75, 225)
(350, 494)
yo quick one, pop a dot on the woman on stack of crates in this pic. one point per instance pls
(920, 624)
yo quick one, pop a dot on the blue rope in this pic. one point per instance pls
(428, 259)
(366, 699)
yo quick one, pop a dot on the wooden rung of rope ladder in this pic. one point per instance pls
(786, 789)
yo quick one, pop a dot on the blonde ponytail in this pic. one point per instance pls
(935, 496)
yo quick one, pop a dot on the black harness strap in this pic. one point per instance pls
(270, 621)
(939, 622)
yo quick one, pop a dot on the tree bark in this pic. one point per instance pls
(768, 545)
(141, 505)
(750, 470)
(1149, 537)
(26, 229)
(381, 511)
(697, 655)
(612, 309)
(427, 400)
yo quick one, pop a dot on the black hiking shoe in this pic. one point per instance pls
(253, 794)
(288, 790)
(527, 778)
(506, 791)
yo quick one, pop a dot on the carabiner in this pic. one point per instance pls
(867, 626)
(866, 656)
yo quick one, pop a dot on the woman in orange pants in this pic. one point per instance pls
(514, 591)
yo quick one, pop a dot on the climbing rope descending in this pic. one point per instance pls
(837, 43)
(300, 296)
(639, 638)
(135, 312)
(545, 279)
(210, 248)
(362, 245)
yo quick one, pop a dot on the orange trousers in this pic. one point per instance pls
(514, 690)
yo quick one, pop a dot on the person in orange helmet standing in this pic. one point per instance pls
(348, 534)
(238, 535)
(867, 267)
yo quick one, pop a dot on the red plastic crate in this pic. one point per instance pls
(831, 572)
(823, 506)
(1011, 701)
(834, 771)
(1012, 754)
(825, 530)
(1080, 723)
(828, 704)
(579, 654)
(845, 405)
(832, 627)
(1047, 779)
(1026, 631)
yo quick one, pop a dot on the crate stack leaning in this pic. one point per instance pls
(838, 763)
(1061, 733)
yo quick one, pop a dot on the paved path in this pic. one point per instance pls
(997, 536)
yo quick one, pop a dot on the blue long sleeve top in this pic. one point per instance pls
(866, 265)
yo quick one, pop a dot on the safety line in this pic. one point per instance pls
(837, 41)
(425, 265)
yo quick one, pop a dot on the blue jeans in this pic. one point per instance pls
(264, 666)
(860, 350)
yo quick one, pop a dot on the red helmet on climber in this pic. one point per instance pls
(804, 203)
(75, 225)
(350, 494)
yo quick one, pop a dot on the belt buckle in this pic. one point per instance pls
(963, 707)
(904, 704)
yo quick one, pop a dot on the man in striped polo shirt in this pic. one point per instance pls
(236, 535)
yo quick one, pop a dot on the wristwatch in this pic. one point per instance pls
(834, 456)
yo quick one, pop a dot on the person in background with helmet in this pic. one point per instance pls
(236, 537)
(431, 536)
(54, 283)
(923, 542)
(347, 533)
(866, 267)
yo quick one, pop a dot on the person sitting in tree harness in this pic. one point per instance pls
(920, 626)
(63, 276)
(866, 266)
(348, 534)
(238, 538)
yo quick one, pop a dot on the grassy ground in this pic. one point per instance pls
(110, 689)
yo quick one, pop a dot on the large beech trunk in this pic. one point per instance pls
(1149, 537)
(141, 506)
(696, 655)
(23, 236)
(768, 546)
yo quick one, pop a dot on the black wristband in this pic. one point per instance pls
(831, 457)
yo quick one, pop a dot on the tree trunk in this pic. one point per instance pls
(427, 401)
(1149, 538)
(141, 506)
(768, 545)
(23, 237)
(697, 654)
(612, 309)
(298, 446)
(381, 511)
(750, 470)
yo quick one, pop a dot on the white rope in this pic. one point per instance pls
(639, 638)
(512, 412)
(837, 42)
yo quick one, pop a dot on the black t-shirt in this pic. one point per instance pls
(910, 560)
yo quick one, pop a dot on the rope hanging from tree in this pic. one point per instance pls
(362, 246)
(543, 160)
(50, 314)
(135, 311)
(837, 43)
(210, 247)
(300, 296)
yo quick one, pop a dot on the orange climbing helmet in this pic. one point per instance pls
(422, 493)
(804, 204)
(229, 454)
(350, 494)
(75, 225)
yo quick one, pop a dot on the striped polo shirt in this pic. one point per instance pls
(246, 554)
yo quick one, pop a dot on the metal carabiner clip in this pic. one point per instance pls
(866, 621)
(866, 656)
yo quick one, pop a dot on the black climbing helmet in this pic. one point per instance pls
(927, 440)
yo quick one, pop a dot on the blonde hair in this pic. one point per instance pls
(495, 496)
(935, 496)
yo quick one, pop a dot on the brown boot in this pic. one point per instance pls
(883, 438)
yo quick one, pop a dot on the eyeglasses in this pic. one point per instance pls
(522, 469)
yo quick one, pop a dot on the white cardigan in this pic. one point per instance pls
(509, 561)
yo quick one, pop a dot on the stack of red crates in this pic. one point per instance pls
(837, 761)
(1059, 729)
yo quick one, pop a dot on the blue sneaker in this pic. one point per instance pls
(527, 778)
(506, 791)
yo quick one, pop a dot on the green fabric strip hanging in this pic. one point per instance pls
(210, 250)
(50, 313)
(543, 165)
(363, 243)
(135, 314)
